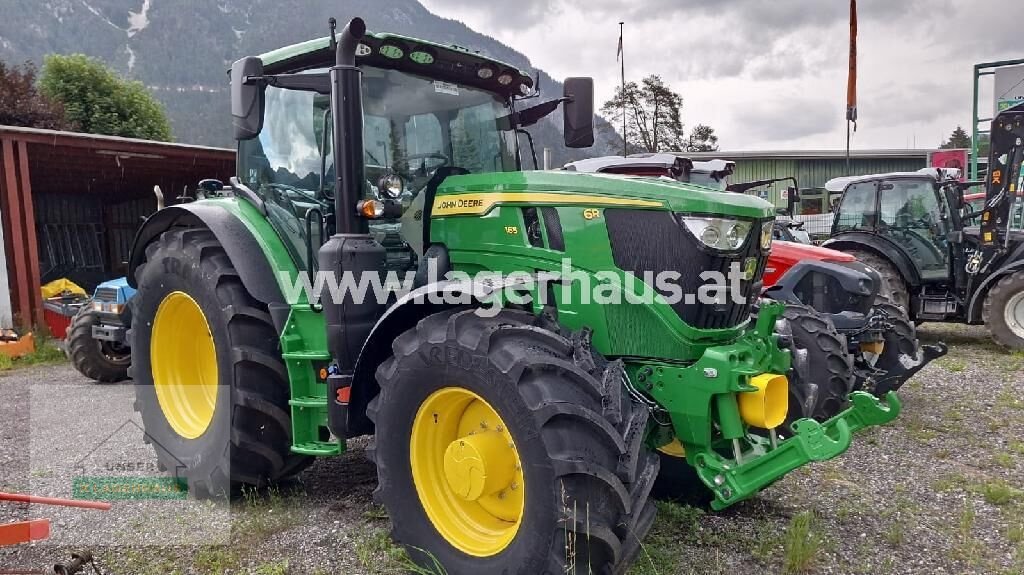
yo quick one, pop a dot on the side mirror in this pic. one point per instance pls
(247, 99)
(579, 112)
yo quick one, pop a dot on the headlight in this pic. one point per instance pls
(719, 233)
(107, 307)
(391, 186)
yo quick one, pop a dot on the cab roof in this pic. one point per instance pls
(838, 185)
(444, 62)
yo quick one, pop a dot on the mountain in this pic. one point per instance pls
(181, 49)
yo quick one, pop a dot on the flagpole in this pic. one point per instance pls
(851, 83)
(622, 61)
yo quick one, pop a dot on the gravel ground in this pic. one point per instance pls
(941, 490)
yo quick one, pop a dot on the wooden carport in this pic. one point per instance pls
(72, 202)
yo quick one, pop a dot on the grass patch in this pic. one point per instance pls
(215, 560)
(376, 512)
(1004, 460)
(148, 562)
(260, 514)
(1010, 399)
(1015, 533)
(997, 492)
(272, 568)
(802, 543)
(895, 532)
(1016, 447)
(380, 556)
(919, 429)
(952, 364)
(659, 553)
(968, 549)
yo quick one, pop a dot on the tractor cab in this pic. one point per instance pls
(945, 254)
(913, 211)
(429, 111)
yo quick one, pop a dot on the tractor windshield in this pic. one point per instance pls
(411, 126)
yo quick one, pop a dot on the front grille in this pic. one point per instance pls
(106, 294)
(654, 241)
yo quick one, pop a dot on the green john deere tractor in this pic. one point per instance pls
(516, 421)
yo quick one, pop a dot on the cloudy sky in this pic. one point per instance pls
(771, 74)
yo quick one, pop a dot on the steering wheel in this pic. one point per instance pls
(445, 160)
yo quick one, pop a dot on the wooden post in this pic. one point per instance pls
(9, 181)
(31, 239)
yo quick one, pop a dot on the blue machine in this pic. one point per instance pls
(110, 301)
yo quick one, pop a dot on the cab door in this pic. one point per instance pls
(913, 216)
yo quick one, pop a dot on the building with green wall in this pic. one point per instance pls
(812, 168)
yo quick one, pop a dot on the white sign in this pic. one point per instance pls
(1009, 87)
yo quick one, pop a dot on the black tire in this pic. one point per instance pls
(1007, 291)
(248, 440)
(100, 361)
(578, 434)
(821, 376)
(892, 287)
(901, 343)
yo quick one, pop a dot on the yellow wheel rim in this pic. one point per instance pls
(467, 472)
(183, 360)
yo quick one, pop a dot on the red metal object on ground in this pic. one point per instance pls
(24, 531)
(38, 529)
(21, 498)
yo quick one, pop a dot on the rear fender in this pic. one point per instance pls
(399, 318)
(881, 246)
(238, 241)
(979, 295)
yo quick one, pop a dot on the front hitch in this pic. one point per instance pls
(763, 465)
(895, 378)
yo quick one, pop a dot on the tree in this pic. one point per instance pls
(654, 118)
(957, 140)
(702, 139)
(21, 104)
(99, 101)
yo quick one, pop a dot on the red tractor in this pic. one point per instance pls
(844, 336)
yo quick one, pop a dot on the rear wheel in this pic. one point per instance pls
(503, 446)
(1003, 311)
(102, 361)
(892, 286)
(821, 376)
(210, 384)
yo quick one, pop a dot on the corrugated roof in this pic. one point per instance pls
(38, 134)
(806, 154)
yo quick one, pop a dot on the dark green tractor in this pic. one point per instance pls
(941, 258)
(516, 408)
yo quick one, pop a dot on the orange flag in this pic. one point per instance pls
(851, 82)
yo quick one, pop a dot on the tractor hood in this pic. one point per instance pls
(478, 193)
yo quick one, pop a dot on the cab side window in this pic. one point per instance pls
(857, 209)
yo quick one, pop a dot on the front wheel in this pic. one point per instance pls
(505, 447)
(1003, 311)
(821, 376)
(101, 361)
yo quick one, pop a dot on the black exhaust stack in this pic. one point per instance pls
(351, 251)
(347, 109)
